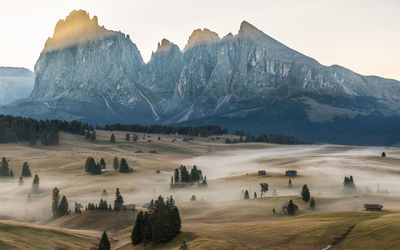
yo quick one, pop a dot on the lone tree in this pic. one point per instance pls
(4, 171)
(305, 193)
(255, 195)
(35, 184)
(312, 203)
(123, 166)
(102, 164)
(26, 172)
(138, 230)
(290, 183)
(246, 195)
(119, 200)
(20, 181)
(55, 202)
(291, 208)
(115, 163)
(383, 154)
(127, 137)
(264, 188)
(112, 138)
(63, 207)
(104, 242)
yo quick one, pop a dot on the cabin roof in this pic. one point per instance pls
(373, 206)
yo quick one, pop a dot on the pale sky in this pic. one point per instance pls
(362, 35)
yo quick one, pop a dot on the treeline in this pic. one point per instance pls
(159, 224)
(19, 129)
(278, 139)
(203, 131)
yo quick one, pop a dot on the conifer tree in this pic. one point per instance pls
(246, 195)
(291, 208)
(312, 203)
(63, 207)
(55, 201)
(290, 183)
(4, 171)
(102, 164)
(35, 184)
(104, 242)
(123, 166)
(29, 198)
(96, 169)
(194, 174)
(176, 175)
(255, 195)
(138, 230)
(115, 163)
(20, 181)
(26, 172)
(119, 201)
(185, 178)
(127, 137)
(305, 193)
(11, 173)
(112, 138)
(264, 188)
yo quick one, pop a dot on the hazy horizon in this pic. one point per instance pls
(360, 35)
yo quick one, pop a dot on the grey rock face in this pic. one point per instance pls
(15, 84)
(246, 81)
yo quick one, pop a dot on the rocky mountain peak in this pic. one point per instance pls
(201, 36)
(77, 28)
(165, 45)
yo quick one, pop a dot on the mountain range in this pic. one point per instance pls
(247, 81)
(15, 84)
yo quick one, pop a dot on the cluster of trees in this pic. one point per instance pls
(4, 170)
(94, 168)
(278, 139)
(90, 134)
(19, 129)
(59, 207)
(306, 196)
(183, 176)
(349, 182)
(159, 224)
(103, 205)
(206, 130)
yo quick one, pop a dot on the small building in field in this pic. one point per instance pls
(262, 172)
(373, 207)
(291, 173)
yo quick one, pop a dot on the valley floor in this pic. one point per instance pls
(219, 218)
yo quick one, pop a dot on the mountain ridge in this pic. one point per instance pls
(249, 74)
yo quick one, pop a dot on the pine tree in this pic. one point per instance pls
(290, 183)
(255, 195)
(96, 169)
(138, 230)
(246, 195)
(305, 193)
(193, 198)
(11, 173)
(104, 242)
(176, 175)
(102, 164)
(20, 181)
(312, 203)
(264, 188)
(119, 200)
(194, 174)
(55, 201)
(63, 207)
(123, 166)
(112, 138)
(185, 178)
(115, 163)
(291, 208)
(26, 172)
(35, 184)
(4, 171)
(127, 137)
